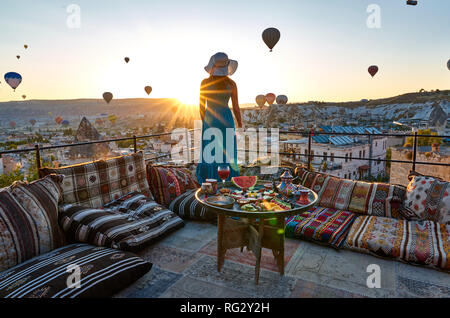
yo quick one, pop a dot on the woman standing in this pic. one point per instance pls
(215, 93)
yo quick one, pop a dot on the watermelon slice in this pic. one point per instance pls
(244, 182)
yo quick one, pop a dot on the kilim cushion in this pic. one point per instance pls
(97, 183)
(188, 208)
(130, 223)
(324, 225)
(102, 272)
(381, 199)
(418, 242)
(428, 198)
(29, 220)
(168, 182)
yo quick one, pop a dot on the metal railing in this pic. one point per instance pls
(309, 133)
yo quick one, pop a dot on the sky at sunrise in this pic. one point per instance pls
(325, 48)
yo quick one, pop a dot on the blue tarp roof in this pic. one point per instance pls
(350, 130)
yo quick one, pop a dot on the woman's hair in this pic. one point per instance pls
(221, 83)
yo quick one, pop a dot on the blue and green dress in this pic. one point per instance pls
(217, 115)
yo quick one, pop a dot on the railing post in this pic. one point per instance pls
(135, 143)
(38, 159)
(309, 149)
(414, 152)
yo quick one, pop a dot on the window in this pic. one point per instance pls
(364, 153)
(325, 156)
(346, 157)
(351, 155)
(332, 157)
(360, 154)
(376, 143)
(345, 176)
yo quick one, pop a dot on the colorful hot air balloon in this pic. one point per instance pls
(12, 124)
(25, 46)
(373, 70)
(65, 122)
(127, 59)
(148, 89)
(33, 122)
(282, 99)
(112, 118)
(260, 100)
(58, 120)
(24, 96)
(13, 79)
(448, 65)
(107, 96)
(271, 36)
(270, 98)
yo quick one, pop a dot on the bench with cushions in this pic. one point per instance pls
(379, 218)
(90, 215)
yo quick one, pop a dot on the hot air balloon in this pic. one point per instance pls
(13, 79)
(99, 121)
(448, 64)
(127, 59)
(18, 56)
(33, 122)
(24, 96)
(260, 100)
(270, 98)
(58, 120)
(271, 36)
(65, 122)
(12, 124)
(104, 114)
(107, 96)
(373, 70)
(282, 99)
(25, 46)
(112, 118)
(50, 114)
(411, 2)
(148, 89)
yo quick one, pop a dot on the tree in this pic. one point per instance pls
(7, 179)
(388, 157)
(423, 141)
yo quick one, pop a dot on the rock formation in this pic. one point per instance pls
(87, 132)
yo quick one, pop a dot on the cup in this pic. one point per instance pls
(213, 184)
(207, 188)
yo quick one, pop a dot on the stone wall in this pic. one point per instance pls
(400, 171)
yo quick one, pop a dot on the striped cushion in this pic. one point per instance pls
(129, 223)
(100, 182)
(324, 225)
(103, 272)
(188, 208)
(380, 199)
(417, 242)
(29, 220)
(168, 182)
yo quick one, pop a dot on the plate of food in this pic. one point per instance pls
(221, 201)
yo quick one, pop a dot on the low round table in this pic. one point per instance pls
(254, 230)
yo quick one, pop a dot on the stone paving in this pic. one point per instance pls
(184, 266)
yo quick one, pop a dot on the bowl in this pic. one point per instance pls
(242, 202)
(221, 201)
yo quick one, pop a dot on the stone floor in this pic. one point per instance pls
(184, 266)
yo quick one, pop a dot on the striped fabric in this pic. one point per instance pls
(188, 208)
(324, 225)
(130, 223)
(380, 199)
(100, 182)
(168, 182)
(103, 272)
(29, 220)
(417, 242)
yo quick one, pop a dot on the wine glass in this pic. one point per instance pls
(224, 172)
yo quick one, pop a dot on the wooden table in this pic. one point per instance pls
(253, 230)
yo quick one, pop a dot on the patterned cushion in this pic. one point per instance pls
(29, 220)
(381, 199)
(418, 242)
(130, 223)
(97, 183)
(187, 207)
(103, 272)
(428, 198)
(321, 224)
(168, 182)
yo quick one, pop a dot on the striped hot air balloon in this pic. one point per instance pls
(271, 36)
(58, 120)
(260, 100)
(282, 99)
(12, 124)
(270, 98)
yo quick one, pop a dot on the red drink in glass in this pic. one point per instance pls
(223, 172)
